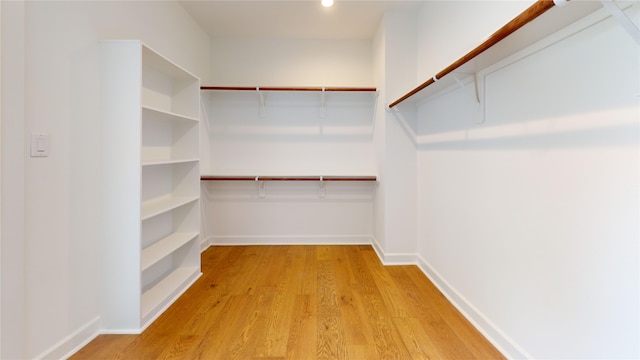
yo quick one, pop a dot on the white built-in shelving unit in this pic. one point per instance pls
(150, 184)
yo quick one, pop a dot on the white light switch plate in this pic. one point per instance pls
(39, 144)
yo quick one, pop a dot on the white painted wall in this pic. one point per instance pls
(291, 135)
(450, 29)
(289, 213)
(541, 279)
(399, 131)
(0, 175)
(12, 181)
(60, 259)
(379, 60)
(291, 62)
(530, 221)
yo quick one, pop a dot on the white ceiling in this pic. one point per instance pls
(300, 19)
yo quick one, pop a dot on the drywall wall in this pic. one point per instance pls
(399, 132)
(292, 134)
(291, 62)
(378, 53)
(394, 139)
(61, 98)
(529, 221)
(288, 213)
(12, 181)
(450, 29)
(289, 133)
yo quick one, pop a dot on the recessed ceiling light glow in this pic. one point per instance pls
(327, 3)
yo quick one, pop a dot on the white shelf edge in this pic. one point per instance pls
(154, 207)
(165, 292)
(169, 161)
(165, 247)
(280, 174)
(169, 114)
(292, 176)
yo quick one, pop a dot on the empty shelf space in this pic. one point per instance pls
(153, 207)
(163, 292)
(164, 247)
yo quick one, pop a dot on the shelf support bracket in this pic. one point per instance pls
(322, 191)
(261, 110)
(261, 188)
(323, 108)
(476, 96)
(622, 19)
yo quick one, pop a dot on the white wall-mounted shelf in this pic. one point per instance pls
(535, 23)
(290, 88)
(289, 178)
(321, 180)
(262, 90)
(151, 252)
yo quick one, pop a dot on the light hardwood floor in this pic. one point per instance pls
(302, 302)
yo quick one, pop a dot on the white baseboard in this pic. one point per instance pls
(290, 240)
(488, 329)
(74, 342)
(389, 259)
(204, 244)
(378, 249)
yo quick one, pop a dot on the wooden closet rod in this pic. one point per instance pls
(266, 88)
(528, 15)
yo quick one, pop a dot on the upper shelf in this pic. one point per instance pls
(514, 36)
(321, 90)
(286, 178)
(267, 88)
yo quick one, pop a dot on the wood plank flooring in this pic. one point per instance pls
(302, 302)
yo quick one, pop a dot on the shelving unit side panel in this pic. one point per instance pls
(120, 187)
